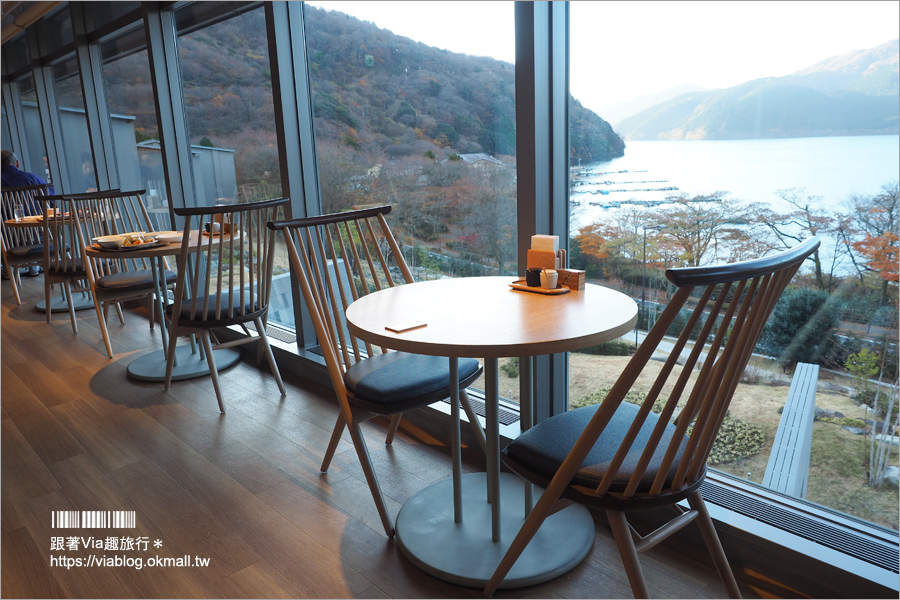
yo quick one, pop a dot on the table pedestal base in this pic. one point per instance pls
(463, 553)
(58, 303)
(152, 367)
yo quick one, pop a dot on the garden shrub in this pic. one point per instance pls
(736, 441)
(610, 348)
(511, 368)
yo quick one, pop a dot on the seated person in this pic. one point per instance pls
(12, 176)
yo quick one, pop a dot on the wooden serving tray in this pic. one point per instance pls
(519, 284)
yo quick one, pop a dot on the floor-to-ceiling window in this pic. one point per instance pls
(736, 144)
(76, 149)
(415, 107)
(129, 96)
(34, 154)
(229, 108)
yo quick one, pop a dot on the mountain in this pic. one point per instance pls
(617, 111)
(852, 94)
(379, 92)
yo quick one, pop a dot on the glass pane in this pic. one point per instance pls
(231, 122)
(739, 143)
(129, 94)
(56, 30)
(421, 118)
(73, 121)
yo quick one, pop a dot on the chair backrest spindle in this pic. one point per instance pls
(340, 258)
(713, 347)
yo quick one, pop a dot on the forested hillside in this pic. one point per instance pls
(374, 88)
(374, 91)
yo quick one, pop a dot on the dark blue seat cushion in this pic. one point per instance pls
(35, 251)
(72, 268)
(397, 381)
(542, 449)
(208, 319)
(131, 281)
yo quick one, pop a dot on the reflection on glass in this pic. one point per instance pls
(35, 154)
(73, 122)
(719, 175)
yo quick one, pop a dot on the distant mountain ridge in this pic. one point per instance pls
(857, 93)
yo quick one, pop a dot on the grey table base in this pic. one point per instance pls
(189, 365)
(59, 304)
(463, 553)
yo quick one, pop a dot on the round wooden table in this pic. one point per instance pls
(189, 362)
(444, 528)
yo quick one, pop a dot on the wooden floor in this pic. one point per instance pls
(241, 489)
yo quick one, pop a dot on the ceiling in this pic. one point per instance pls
(19, 15)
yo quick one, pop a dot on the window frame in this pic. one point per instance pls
(542, 147)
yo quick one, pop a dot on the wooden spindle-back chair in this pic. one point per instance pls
(623, 457)
(115, 279)
(21, 246)
(337, 259)
(224, 280)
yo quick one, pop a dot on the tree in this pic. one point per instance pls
(871, 232)
(700, 224)
(801, 326)
(807, 219)
(863, 365)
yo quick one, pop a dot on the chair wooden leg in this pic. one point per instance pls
(392, 428)
(473, 420)
(12, 281)
(15, 281)
(211, 361)
(529, 528)
(333, 442)
(101, 312)
(622, 534)
(152, 307)
(170, 355)
(267, 348)
(47, 293)
(120, 312)
(70, 302)
(363, 453)
(708, 530)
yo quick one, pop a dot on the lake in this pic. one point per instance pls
(834, 168)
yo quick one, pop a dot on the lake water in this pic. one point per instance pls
(750, 170)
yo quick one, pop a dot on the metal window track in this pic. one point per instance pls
(874, 551)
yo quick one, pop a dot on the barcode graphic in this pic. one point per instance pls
(92, 519)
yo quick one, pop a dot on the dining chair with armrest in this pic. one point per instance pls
(21, 246)
(337, 259)
(224, 280)
(620, 456)
(112, 278)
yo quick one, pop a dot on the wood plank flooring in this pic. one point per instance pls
(241, 489)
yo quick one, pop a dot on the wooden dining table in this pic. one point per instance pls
(189, 360)
(455, 529)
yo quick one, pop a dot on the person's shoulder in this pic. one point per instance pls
(34, 179)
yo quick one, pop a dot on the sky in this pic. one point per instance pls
(622, 50)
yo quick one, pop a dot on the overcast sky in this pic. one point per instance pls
(621, 50)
